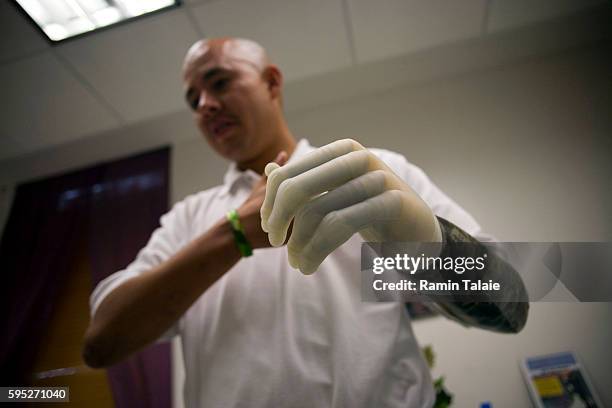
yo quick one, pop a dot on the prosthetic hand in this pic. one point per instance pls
(334, 192)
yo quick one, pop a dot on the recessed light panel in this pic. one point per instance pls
(62, 19)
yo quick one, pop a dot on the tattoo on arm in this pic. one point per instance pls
(506, 317)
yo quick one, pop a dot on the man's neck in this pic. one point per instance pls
(286, 142)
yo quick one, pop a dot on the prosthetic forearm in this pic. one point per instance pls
(334, 192)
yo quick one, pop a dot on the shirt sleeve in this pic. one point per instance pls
(165, 241)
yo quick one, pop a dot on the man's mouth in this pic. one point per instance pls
(221, 127)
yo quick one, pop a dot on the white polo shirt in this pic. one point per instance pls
(264, 335)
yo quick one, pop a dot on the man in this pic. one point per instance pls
(256, 332)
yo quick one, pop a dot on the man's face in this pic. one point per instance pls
(230, 99)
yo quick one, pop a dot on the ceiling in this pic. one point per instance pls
(129, 75)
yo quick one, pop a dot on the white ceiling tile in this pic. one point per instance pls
(505, 14)
(136, 66)
(303, 37)
(18, 37)
(47, 105)
(389, 28)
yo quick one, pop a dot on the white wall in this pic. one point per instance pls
(525, 148)
(483, 366)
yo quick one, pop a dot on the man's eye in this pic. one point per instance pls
(194, 102)
(220, 84)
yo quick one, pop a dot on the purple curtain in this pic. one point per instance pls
(126, 207)
(115, 206)
(41, 233)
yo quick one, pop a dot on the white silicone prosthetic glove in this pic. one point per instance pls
(334, 192)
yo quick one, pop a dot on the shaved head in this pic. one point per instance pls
(237, 49)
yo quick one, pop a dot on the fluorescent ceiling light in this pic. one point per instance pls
(61, 19)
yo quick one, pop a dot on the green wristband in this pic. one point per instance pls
(243, 245)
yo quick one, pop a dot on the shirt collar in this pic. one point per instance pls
(234, 177)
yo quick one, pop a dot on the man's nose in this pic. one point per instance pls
(207, 104)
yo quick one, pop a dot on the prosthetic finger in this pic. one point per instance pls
(313, 159)
(338, 226)
(307, 219)
(295, 192)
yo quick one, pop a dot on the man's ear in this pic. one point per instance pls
(274, 78)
